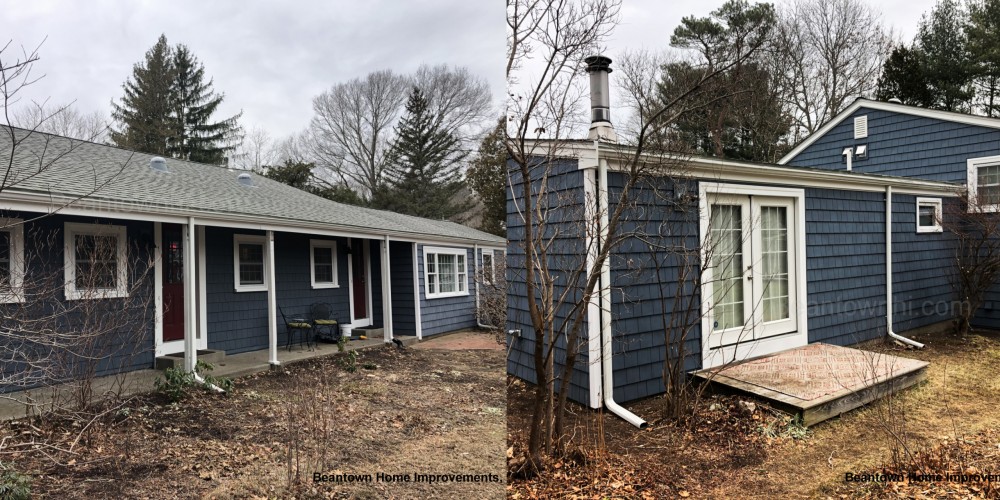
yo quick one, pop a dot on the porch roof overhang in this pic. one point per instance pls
(587, 153)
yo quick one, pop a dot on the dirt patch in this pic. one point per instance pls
(731, 452)
(403, 411)
(462, 341)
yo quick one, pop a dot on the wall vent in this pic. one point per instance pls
(861, 127)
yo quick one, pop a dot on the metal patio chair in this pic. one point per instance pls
(326, 327)
(292, 325)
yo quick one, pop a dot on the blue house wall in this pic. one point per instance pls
(447, 314)
(903, 145)
(125, 349)
(566, 202)
(401, 274)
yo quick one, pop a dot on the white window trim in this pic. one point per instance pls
(464, 253)
(938, 214)
(972, 180)
(332, 245)
(255, 240)
(16, 229)
(71, 231)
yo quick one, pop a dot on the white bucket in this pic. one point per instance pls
(345, 331)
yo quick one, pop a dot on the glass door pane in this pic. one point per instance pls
(774, 262)
(726, 227)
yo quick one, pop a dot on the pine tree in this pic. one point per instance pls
(144, 114)
(487, 177)
(424, 177)
(983, 32)
(903, 78)
(167, 109)
(947, 62)
(196, 137)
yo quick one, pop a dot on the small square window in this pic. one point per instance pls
(929, 215)
(95, 261)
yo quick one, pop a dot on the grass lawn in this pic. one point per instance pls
(950, 424)
(401, 412)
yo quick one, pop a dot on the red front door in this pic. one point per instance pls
(358, 276)
(173, 282)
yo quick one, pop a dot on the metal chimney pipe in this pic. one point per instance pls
(600, 99)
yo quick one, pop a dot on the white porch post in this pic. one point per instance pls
(190, 299)
(416, 294)
(272, 304)
(386, 293)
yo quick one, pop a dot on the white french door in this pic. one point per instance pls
(751, 244)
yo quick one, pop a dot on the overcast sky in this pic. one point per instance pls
(272, 58)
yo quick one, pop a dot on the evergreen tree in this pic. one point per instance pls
(299, 175)
(983, 32)
(167, 109)
(903, 78)
(947, 63)
(487, 177)
(424, 177)
(144, 115)
(196, 137)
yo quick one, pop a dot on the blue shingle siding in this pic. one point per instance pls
(237, 321)
(447, 314)
(904, 145)
(565, 202)
(120, 351)
(645, 280)
(845, 265)
(401, 274)
(921, 266)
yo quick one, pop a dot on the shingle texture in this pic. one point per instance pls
(52, 165)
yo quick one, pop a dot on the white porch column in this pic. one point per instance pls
(416, 294)
(386, 293)
(190, 299)
(272, 304)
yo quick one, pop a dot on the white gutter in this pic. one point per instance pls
(605, 291)
(888, 273)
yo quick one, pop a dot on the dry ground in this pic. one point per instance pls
(951, 423)
(401, 412)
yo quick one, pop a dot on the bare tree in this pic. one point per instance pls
(974, 222)
(828, 52)
(559, 282)
(460, 101)
(255, 151)
(65, 121)
(351, 131)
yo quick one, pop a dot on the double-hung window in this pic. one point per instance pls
(95, 261)
(445, 272)
(11, 260)
(323, 261)
(249, 258)
(983, 181)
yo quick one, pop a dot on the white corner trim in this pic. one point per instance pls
(938, 214)
(16, 256)
(73, 229)
(253, 240)
(594, 306)
(457, 252)
(742, 350)
(416, 295)
(332, 245)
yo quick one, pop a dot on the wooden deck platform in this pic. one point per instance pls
(819, 381)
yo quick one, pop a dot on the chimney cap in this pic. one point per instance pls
(598, 63)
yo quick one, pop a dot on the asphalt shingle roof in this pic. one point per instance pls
(53, 165)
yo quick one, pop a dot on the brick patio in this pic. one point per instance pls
(819, 381)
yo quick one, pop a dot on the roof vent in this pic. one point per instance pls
(861, 127)
(895, 100)
(159, 164)
(245, 179)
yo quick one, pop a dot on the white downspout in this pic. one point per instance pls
(888, 270)
(605, 291)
